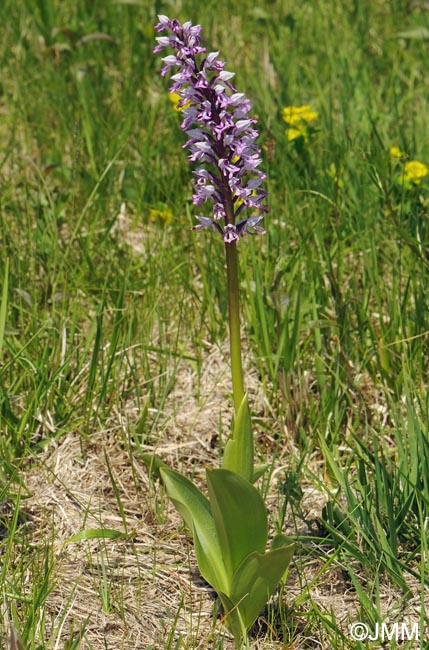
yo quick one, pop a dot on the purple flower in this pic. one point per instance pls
(221, 135)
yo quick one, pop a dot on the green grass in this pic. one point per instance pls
(102, 314)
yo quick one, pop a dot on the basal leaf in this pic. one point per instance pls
(239, 515)
(195, 510)
(258, 471)
(280, 540)
(153, 464)
(238, 454)
(232, 618)
(256, 580)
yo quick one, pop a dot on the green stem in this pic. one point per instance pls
(234, 324)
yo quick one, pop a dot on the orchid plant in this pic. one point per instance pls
(229, 525)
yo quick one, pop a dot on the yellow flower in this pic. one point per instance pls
(294, 133)
(161, 215)
(296, 115)
(395, 152)
(298, 118)
(175, 99)
(413, 172)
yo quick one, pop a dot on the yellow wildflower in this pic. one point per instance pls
(298, 119)
(395, 152)
(166, 216)
(293, 134)
(413, 172)
(296, 115)
(175, 99)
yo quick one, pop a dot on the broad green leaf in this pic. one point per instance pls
(280, 540)
(256, 580)
(195, 510)
(238, 454)
(232, 618)
(239, 515)
(96, 533)
(258, 471)
(153, 464)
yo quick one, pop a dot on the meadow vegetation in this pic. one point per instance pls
(113, 321)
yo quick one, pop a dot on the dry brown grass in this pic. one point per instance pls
(154, 590)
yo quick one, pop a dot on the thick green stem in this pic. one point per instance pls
(234, 324)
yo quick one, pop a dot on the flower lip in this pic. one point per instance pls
(231, 234)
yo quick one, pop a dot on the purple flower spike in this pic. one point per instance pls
(221, 135)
